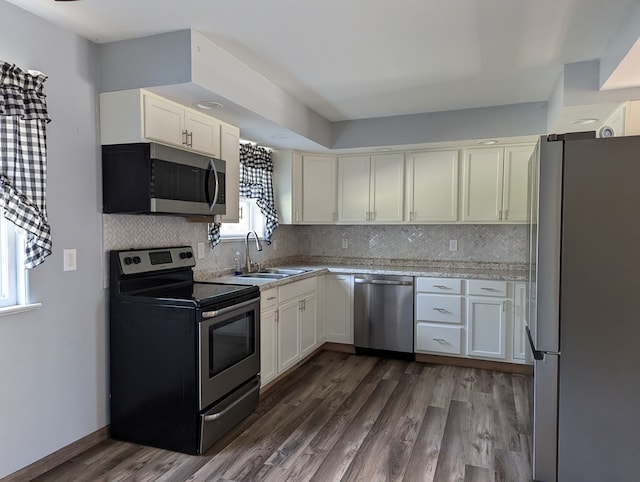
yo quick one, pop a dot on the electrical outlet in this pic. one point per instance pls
(200, 250)
(69, 256)
(345, 243)
(453, 245)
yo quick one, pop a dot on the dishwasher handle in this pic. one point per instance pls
(382, 282)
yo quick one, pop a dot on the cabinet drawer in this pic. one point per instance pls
(439, 285)
(296, 289)
(268, 298)
(439, 308)
(441, 339)
(487, 288)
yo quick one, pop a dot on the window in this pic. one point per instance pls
(251, 219)
(12, 272)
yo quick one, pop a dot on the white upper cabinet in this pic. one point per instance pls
(515, 190)
(319, 186)
(230, 153)
(432, 187)
(482, 185)
(137, 115)
(371, 189)
(305, 187)
(495, 182)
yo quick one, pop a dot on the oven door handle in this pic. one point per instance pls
(212, 314)
(215, 416)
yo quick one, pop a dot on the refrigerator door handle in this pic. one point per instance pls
(538, 354)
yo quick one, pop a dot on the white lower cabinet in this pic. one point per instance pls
(487, 327)
(288, 334)
(439, 316)
(519, 321)
(471, 318)
(268, 335)
(288, 326)
(338, 308)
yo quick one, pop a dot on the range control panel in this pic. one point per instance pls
(149, 260)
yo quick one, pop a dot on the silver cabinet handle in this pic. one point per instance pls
(271, 298)
(442, 341)
(190, 139)
(489, 289)
(442, 287)
(185, 134)
(442, 310)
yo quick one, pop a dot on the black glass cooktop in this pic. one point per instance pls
(200, 293)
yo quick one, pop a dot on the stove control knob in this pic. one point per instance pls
(186, 255)
(189, 254)
(128, 260)
(137, 260)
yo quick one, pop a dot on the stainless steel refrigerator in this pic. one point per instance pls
(585, 301)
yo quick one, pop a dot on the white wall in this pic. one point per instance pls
(52, 361)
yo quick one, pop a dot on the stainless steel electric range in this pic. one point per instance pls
(184, 355)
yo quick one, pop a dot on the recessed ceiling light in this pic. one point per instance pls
(490, 142)
(587, 120)
(208, 105)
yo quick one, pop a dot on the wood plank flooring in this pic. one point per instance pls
(342, 417)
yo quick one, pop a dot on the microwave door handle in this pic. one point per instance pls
(212, 169)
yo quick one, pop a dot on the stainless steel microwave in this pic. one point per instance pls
(149, 178)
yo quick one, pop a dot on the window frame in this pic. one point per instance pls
(14, 286)
(256, 222)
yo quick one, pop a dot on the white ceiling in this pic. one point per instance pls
(355, 59)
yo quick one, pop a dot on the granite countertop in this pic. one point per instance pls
(464, 270)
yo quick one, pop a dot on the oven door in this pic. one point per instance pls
(229, 349)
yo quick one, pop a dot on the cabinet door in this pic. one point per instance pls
(163, 121)
(203, 133)
(268, 346)
(230, 153)
(486, 327)
(319, 189)
(339, 308)
(519, 321)
(353, 189)
(288, 334)
(516, 182)
(482, 185)
(308, 315)
(432, 187)
(387, 188)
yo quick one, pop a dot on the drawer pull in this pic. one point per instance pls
(442, 287)
(442, 310)
(271, 298)
(489, 289)
(442, 341)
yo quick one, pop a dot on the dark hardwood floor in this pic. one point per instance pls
(351, 418)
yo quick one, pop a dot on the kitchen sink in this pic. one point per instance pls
(273, 273)
(260, 274)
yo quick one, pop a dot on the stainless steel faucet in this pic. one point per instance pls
(250, 267)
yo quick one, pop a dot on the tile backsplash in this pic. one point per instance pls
(478, 243)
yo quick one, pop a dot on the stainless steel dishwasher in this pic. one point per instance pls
(383, 312)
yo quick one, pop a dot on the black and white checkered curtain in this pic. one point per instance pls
(23, 165)
(256, 182)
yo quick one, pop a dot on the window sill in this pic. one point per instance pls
(12, 310)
